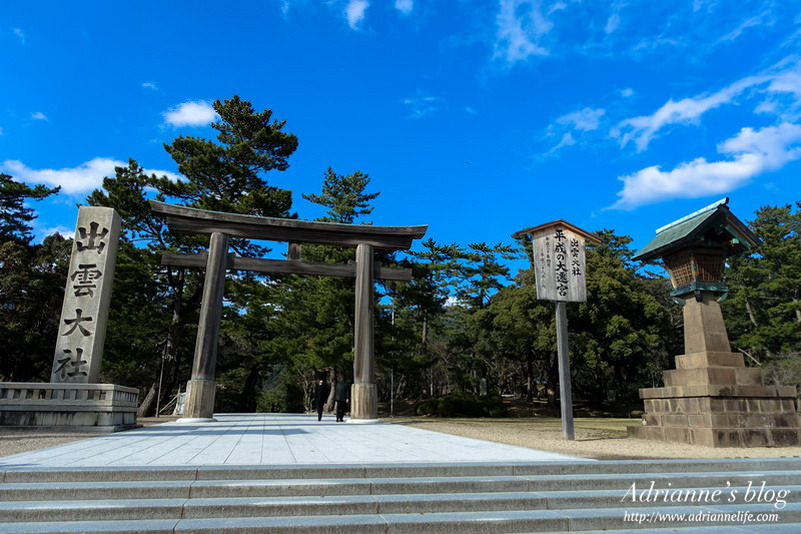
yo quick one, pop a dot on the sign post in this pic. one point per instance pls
(559, 268)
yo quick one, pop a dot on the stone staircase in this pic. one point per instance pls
(410, 498)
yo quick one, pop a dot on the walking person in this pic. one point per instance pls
(342, 397)
(320, 397)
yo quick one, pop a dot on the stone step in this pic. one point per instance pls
(197, 508)
(377, 486)
(9, 475)
(606, 520)
(419, 498)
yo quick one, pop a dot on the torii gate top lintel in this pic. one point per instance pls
(197, 221)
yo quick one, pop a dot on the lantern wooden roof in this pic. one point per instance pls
(714, 224)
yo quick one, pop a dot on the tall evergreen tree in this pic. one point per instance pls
(14, 214)
(763, 313)
(318, 311)
(228, 175)
(32, 280)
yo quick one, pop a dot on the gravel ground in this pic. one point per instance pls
(599, 443)
(595, 438)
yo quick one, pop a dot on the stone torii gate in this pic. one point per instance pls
(221, 226)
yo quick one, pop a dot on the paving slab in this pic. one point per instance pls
(274, 439)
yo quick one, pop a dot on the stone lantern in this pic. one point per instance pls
(711, 398)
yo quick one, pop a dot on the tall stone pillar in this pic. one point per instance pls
(84, 314)
(200, 388)
(364, 406)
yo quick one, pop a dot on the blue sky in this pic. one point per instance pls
(479, 118)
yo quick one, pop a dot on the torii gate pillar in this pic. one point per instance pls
(200, 388)
(364, 400)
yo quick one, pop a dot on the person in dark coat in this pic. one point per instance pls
(320, 397)
(342, 397)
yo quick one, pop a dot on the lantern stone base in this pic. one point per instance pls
(712, 399)
(75, 407)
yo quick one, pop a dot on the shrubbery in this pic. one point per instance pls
(461, 406)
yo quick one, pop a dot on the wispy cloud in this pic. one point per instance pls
(420, 106)
(751, 153)
(585, 120)
(520, 26)
(577, 122)
(642, 130)
(82, 179)
(20, 34)
(529, 29)
(404, 6)
(764, 18)
(38, 116)
(355, 12)
(566, 140)
(44, 231)
(197, 113)
(150, 85)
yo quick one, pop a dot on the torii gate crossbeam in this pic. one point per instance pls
(199, 404)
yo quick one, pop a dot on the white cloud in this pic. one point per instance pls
(150, 85)
(520, 24)
(421, 106)
(470, 110)
(612, 23)
(355, 12)
(66, 233)
(752, 152)
(567, 140)
(581, 121)
(763, 19)
(404, 6)
(38, 116)
(20, 34)
(76, 180)
(585, 120)
(627, 92)
(641, 130)
(197, 113)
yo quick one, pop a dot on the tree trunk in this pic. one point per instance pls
(750, 312)
(248, 398)
(148, 406)
(553, 380)
(529, 373)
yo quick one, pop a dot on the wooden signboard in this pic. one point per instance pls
(559, 264)
(559, 267)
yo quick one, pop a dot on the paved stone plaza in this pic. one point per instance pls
(273, 439)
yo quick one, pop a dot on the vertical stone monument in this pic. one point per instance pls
(84, 314)
(711, 398)
(74, 398)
